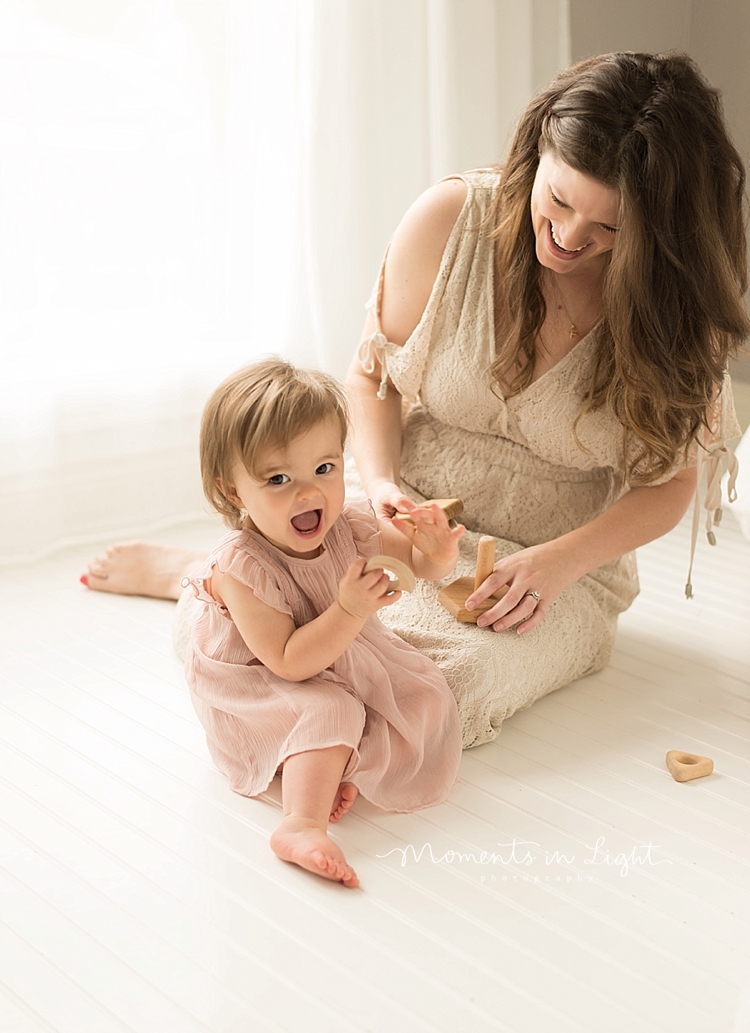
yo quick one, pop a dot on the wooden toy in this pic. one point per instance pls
(404, 579)
(451, 508)
(454, 596)
(685, 766)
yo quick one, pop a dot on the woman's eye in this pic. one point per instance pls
(278, 478)
(557, 201)
(610, 229)
(324, 468)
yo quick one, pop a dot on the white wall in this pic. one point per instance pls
(602, 26)
(719, 41)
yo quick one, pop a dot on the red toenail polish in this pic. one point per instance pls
(84, 580)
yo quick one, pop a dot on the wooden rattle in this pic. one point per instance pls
(404, 580)
(454, 596)
(685, 766)
(451, 508)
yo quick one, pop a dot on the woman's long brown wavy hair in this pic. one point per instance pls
(651, 127)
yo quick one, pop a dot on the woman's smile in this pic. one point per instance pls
(567, 251)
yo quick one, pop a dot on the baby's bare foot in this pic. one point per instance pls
(346, 794)
(142, 568)
(300, 842)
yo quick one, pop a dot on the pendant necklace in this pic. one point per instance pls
(573, 331)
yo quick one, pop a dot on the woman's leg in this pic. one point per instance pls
(309, 784)
(142, 568)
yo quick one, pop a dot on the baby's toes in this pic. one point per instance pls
(349, 877)
(335, 868)
(321, 862)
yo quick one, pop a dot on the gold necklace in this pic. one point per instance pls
(573, 332)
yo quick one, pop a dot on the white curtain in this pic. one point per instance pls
(184, 187)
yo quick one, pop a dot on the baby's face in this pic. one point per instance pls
(301, 491)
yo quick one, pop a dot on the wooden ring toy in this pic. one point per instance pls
(404, 580)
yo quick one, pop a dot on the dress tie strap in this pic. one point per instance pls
(370, 349)
(712, 457)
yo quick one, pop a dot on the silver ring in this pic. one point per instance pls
(534, 594)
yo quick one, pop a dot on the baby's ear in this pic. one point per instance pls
(227, 490)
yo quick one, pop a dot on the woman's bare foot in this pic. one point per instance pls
(142, 568)
(300, 841)
(346, 794)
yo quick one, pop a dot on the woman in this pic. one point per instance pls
(559, 330)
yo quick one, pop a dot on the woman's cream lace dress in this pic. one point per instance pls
(522, 477)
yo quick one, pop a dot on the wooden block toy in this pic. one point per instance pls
(685, 766)
(404, 579)
(451, 508)
(454, 596)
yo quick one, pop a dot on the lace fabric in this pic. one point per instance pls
(522, 473)
(523, 478)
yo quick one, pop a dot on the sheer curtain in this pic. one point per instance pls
(184, 187)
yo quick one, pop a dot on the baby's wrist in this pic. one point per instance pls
(435, 567)
(349, 613)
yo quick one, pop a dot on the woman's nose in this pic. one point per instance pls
(571, 236)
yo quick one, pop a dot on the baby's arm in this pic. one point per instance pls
(293, 653)
(427, 544)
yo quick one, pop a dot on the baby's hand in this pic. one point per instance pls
(430, 533)
(362, 594)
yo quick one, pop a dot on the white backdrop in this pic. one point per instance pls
(184, 186)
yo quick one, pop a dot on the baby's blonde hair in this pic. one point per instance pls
(258, 409)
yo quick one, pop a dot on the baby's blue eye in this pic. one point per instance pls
(324, 468)
(278, 478)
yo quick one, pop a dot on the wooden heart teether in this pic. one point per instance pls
(685, 766)
(404, 580)
(454, 596)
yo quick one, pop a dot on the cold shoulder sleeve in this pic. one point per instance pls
(235, 556)
(374, 347)
(405, 364)
(713, 453)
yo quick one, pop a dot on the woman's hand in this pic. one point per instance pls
(388, 499)
(542, 569)
(361, 595)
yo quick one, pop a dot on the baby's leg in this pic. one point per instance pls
(309, 784)
(142, 568)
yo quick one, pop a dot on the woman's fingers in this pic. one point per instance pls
(540, 612)
(389, 505)
(487, 588)
(508, 612)
(516, 609)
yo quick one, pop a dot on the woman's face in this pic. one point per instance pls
(575, 218)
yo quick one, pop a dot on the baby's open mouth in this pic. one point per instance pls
(307, 523)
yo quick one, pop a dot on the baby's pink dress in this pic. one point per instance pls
(387, 701)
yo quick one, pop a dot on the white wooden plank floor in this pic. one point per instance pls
(139, 894)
